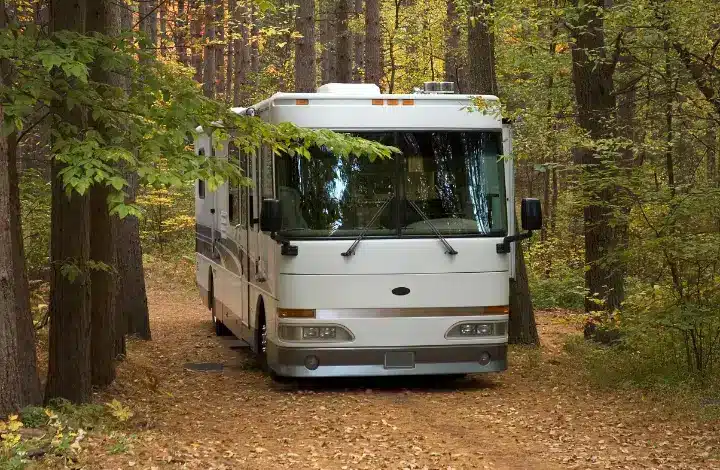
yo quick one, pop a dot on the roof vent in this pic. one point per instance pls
(363, 89)
(446, 88)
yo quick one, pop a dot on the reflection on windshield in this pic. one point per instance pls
(454, 177)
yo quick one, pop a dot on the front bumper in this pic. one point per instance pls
(358, 362)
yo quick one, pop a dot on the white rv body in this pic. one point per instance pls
(392, 306)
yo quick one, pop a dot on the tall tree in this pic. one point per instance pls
(231, 34)
(131, 303)
(220, 47)
(10, 390)
(242, 54)
(69, 369)
(452, 43)
(373, 43)
(305, 77)
(196, 34)
(180, 32)
(103, 18)
(148, 12)
(343, 38)
(483, 80)
(358, 44)
(592, 72)
(481, 48)
(209, 62)
(19, 300)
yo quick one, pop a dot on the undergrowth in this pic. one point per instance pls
(58, 432)
(646, 367)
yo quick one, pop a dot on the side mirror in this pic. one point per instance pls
(531, 214)
(270, 216)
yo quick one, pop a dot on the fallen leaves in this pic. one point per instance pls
(536, 415)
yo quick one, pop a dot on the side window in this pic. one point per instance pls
(267, 183)
(233, 188)
(201, 183)
(244, 214)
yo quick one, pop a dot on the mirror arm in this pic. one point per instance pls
(504, 247)
(286, 249)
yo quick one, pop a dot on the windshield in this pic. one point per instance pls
(455, 178)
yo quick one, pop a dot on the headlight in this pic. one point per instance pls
(475, 329)
(329, 333)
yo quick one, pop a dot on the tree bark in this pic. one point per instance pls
(358, 45)
(452, 43)
(373, 43)
(69, 369)
(196, 33)
(593, 80)
(305, 47)
(328, 63)
(481, 48)
(253, 41)
(343, 38)
(482, 80)
(230, 72)
(10, 375)
(148, 11)
(219, 47)
(132, 314)
(30, 392)
(522, 328)
(242, 55)
(180, 32)
(105, 18)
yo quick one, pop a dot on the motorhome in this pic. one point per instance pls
(333, 266)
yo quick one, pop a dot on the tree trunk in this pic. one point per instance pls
(219, 47)
(180, 33)
(373, 43)
(26, 361)
(132, 315)
(523, 329)
(69, 369)
(452, 43)
(131, 282)
(209, 62)
(254, 36)
(105, 18)
(482, 80)
(103, 318)
(148, 11)
(196, 33)
(593, 80)
(242, 55)
(163, 37)
(328, 65)
(230, 72)
(358, 45)
(305, 47)
(342, 34)
(10, 375)
(481, 48)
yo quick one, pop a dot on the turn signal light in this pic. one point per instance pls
(296, 313)
(497, 310)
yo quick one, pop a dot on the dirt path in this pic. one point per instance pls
(537, 415)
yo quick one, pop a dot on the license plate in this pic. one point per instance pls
(400, 360)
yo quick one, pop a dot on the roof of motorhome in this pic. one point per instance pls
(344, 106)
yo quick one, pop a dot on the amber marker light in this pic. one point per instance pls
(296, 313)
(302, 102)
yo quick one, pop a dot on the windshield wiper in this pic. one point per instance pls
(351, 251)
(448, 249)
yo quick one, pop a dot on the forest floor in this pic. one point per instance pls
(539, 414)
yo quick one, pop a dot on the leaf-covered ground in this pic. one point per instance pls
(537, 415)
